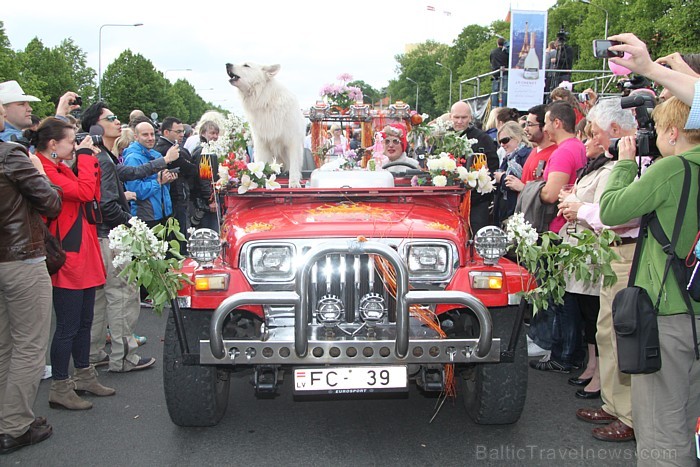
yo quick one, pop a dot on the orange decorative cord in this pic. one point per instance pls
(424, 314)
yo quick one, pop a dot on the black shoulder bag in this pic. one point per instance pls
(55, 255)
(634, 314)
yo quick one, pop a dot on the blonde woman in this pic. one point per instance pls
(338, 142)
(512, 138)
(123, 141)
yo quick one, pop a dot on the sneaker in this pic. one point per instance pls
(47, 372)
(550, 365)
(147, 303)
(546, 357)
(140, 340)
(141, 365)
(103, 362)
(534, 350)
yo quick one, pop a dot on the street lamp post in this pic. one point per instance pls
(450, 70)
(417, 87)
(99, 57)
(588, 2)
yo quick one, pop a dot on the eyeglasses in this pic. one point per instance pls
(179, 132)
(530, 124)
(109, 118)
(505, 140)
(392, 141)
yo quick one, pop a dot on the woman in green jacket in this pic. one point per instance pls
(665, 404)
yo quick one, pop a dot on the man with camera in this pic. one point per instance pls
(117, 305)
(152, 204)
(609, 121)
(172, 133)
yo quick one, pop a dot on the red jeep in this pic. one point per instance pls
(352, 285)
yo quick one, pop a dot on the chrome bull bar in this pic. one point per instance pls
(300, 301)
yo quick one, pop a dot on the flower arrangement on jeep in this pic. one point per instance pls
(340, 94)
(445, 170)
(237, 174)
(234, 137)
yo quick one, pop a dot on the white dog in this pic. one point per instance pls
(274, 115)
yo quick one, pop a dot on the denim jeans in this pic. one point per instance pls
(74, 310)
(541, 327)
(567, 345)
(495, 87)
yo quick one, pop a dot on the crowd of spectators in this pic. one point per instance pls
(52, 182)
(150, 173)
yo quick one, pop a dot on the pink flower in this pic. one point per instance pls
(345, 77)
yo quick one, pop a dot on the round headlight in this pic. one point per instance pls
(204, 245)
(491, 243)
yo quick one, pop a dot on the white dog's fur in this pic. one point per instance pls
(274, 115)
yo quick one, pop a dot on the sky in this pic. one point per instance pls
(313, 41)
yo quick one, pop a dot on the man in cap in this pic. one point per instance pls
(18, 111)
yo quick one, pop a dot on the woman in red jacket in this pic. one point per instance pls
(74, 284)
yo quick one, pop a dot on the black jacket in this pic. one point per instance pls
(202, 188)
(180, 188)
(484, 143)
(115, 208)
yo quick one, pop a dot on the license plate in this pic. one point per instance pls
(350, 380)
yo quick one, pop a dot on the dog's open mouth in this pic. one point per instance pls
(229, 70)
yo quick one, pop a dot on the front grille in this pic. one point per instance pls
(349, 278)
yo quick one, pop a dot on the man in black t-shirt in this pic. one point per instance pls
(499, 59)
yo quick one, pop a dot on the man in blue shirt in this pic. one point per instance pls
(153, 204)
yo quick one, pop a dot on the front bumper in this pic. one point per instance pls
(402, 342)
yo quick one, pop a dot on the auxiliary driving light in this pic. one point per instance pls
(329, 310)
(204, 245)
(372, 308)
(491, 243)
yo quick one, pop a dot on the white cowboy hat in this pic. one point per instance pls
(10, 91)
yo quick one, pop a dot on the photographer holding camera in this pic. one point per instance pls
(665, 404)
(117, 305)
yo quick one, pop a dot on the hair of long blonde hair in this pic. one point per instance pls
(125, 139)
(514, 130)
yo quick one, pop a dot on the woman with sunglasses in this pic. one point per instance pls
(517, 149)
(395, 145)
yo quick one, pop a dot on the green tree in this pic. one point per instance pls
(132, 82)
(83, 76)
(9, 69)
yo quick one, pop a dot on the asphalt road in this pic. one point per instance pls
(133, 428)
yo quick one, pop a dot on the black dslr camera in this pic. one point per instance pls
(200, 210)
(96, 139)
(646, 132)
